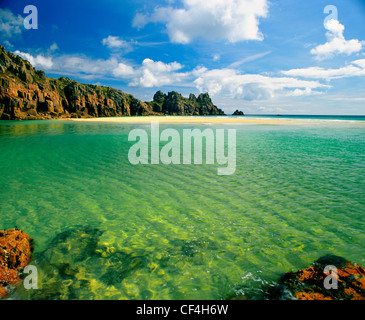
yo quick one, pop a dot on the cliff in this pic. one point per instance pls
(27, 94)
(175, 104)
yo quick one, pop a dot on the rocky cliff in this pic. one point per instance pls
(175, 104)
(26, 94)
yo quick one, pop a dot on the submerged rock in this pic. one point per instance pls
(76, 265)
(194, 247)
(308, 284)
(120, 265)
(15, 253)
(61, 275)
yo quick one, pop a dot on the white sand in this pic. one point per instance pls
(182, 119)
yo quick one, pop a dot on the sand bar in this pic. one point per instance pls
(186, 119)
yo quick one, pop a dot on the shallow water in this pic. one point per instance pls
(180, 231)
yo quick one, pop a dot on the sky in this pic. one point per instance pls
(258, 56)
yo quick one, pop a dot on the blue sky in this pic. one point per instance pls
(267, 57)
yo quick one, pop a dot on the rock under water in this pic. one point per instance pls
(76, 265)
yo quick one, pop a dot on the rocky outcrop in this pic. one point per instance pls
(175, 104)
(308, 284)
(26, 93)
(238, 113)
(15, 253)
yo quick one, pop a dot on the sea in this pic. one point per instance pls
(106, 229)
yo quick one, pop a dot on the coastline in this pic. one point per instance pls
(182, 119)
(210, 120)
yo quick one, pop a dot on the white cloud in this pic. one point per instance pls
(232, 20)
(157, 73)
(226, 83)
(115, 43)
(271, 110)
(8, 44)
(303, 92)
(10, 24)
(123, 70)
(249, 58)
(38, 61)
(216, 57)
(355, 69)
(149, 74)
(72, 65)
(84, 67)
(53, 47)
(252, 86)
(336, 42)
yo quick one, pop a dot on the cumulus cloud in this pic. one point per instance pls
(149, 74)
(336, 42)
(227, 82)
(252, 86)
(157, 73)
(71, 65)
(355, 69)
(232, 20)
(113, 42)
(38, 61)
(303, 92)
(10, 24)
(84, 65)
(123, 70)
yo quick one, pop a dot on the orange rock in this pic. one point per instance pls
(308, 284)
(353, 294)
(311, 296)
(306, 274)
(361, 283)
(15, 253)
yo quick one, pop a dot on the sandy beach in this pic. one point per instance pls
(185, 119)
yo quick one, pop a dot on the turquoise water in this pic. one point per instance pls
(180, 231)
(311, 117)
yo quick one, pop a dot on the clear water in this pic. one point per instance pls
(311, 117)
(182, 231)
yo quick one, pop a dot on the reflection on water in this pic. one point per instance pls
(50, 127)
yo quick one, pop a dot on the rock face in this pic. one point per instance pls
(238, 113)
(175, 104)
(15, 253)
(27, 94)
(308, 284)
